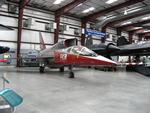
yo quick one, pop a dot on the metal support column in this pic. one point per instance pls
(119, 31)
(140, 36)
(20, 19)
(83, 27)
(130, 41)
(130, 36)
(56, 33)
(104, 31)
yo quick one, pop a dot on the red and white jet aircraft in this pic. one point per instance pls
(67, 53)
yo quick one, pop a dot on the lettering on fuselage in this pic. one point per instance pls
(63, 57)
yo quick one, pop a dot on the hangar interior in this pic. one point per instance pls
(27, 26)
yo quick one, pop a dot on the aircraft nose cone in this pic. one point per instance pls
(113, 47)
(100, 60)
(107, 61)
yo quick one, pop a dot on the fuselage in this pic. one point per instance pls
(74, 55)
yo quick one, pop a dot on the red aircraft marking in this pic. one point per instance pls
(67, 59)
(3, 60)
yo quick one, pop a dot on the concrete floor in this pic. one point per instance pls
(92, 91)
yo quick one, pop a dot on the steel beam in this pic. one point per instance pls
(138, 31)
(112, 23)
(56, 32)
(140, 36)
(146, 34)
(83, 27)
(103, 29)
(113, 8)
(60, 12)
(138, 24)
(22, 5)
(104, 38)
(131, 28)
(131, 37)
(119, 31)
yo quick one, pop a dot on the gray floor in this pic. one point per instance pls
(92, 91)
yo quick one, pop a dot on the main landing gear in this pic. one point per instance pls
(42, 69)
(61, 69)
(71, 74)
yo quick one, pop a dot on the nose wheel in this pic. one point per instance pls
(71, 73)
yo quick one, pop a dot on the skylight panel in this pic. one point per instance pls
(88, 10)
(110, 1)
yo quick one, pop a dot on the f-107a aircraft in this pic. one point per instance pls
(68, 53)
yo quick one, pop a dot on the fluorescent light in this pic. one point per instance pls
(127, 23)
(110, 1)
(79, 4)
(146, 18)
(137, 28)
(135, 10)
(58, 1)
(146, 31)
(131, 10)
(88, 10)
(111, 17)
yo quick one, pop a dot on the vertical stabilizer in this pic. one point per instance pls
(122, 41)
(42, 45)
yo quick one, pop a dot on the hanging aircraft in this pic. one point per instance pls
(68, 53)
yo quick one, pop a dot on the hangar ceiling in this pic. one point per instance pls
(98, 6)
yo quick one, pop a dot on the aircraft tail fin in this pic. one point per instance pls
(122, 41)
(42, 45)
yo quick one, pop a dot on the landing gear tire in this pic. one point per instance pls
(61, 69)
(41, 69)
(71, 75)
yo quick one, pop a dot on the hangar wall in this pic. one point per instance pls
(30, 36)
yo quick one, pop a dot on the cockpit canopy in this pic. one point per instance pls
(81, 50)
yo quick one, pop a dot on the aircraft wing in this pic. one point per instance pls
(141, 49)
(123, 49)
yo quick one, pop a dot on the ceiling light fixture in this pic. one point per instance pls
(88, 10)
(126, 23)
(110, 1)
(58, 2)
(135, 10)
(137, 28)
(146, 31)
(131, 10)
(146, 18)
(79, 4)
